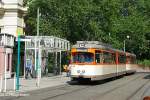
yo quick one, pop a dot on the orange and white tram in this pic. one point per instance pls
(130, 63)
(94, 60)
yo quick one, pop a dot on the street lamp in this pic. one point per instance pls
(125, 42)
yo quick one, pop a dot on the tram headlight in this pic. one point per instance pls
(78, 71)
(83, 71)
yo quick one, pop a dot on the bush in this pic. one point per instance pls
(145, 63)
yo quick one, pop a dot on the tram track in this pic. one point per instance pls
(134, 93)
(44, 90)
(142, 96)
(63, 87)
(141, 87)
(69, 92)
(76, 90)
(111, 90)
(66, 89)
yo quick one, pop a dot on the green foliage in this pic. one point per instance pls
(50, 62)
(108, 21)
(145, 63)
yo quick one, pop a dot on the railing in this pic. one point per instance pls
(4, 81)
(6, 40)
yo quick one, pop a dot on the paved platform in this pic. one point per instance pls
(31, 84)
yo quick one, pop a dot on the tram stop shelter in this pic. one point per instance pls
(37, 49)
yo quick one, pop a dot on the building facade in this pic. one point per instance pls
(11, 23)
(11, 16)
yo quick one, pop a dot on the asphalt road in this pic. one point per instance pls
(132, 87)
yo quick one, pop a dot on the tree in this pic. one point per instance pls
(109, 21)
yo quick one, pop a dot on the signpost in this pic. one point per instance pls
(18, 64)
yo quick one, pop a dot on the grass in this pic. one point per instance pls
(144, 63)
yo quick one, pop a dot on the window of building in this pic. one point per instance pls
(8, 62)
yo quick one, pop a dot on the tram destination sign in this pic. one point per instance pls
(82, 49)
(81, 45)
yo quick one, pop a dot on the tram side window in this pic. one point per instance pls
(109, 58)
(128, 59)
(122, 59)
(98, 57)
(113, 58)
(106, 57)
(132, 60)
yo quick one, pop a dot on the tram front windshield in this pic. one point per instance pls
(82, 57)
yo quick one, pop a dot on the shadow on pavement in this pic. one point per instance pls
(147, 77)
(91, 83)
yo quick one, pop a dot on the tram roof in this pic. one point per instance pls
(130, 54)
(96, 45)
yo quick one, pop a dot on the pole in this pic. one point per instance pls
(56, 63)
(60, 62)
(38, 17)
(39, 65)
(5, 64)
(124, 43)
(35, 55)
(1, 75)
(38, 69)
(24, 61)
(14, 81)
(5, 71)
(18, 64)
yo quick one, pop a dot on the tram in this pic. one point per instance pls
(130, 63)
(94, 60)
